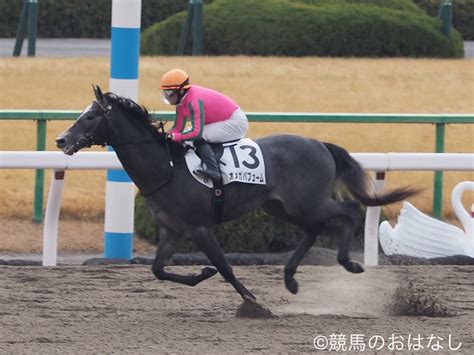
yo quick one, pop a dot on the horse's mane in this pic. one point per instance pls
(139, 111)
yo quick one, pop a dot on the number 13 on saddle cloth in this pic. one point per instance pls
(240, 161)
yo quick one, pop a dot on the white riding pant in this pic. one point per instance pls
(229, 130)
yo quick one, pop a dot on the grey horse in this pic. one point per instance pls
(300, 178)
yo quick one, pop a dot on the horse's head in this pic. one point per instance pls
(90, 128)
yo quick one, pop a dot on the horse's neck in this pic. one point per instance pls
(145, 164)
(145, 161)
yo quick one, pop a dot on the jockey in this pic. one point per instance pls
(214, 118)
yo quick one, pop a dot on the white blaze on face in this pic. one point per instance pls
(87, 109)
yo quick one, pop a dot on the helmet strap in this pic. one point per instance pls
(183, 84)
(180, 91)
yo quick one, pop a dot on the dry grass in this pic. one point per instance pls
(84, 236)
(257, 84)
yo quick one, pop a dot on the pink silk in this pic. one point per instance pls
(215, 107)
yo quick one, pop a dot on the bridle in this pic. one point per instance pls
(106, 118)
(90, 137)
(105, 110)
(106, 115)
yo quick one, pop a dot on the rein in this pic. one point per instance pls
(107, 110)
(160, 136)
(162, 128)
(168, 154)
(145, 141)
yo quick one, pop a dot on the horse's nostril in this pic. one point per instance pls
(60, 142)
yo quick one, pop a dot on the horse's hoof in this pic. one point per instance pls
(354, 267)
(292, 286)
(249, 298)
(208, 272)
(251, 309)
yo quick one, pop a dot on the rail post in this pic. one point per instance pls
(192, 23)
(28, 24)
(197, 28)
(32, 26)
(446, 15)
(20, 33)
(50, 228)
(438, 175)
(371, 229)
(120, 191)
(183, 38)
(39, 173)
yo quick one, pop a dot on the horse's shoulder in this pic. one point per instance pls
(177, 151)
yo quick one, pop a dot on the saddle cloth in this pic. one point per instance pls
(240, 161)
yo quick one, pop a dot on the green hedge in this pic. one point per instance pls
(463, 15)
(293, 28)
(402, 5)
(463, 10)
(256, 232)
(80, 18)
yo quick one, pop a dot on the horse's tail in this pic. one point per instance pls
(358, 182)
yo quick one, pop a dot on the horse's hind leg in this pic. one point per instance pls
(295, 259)
(166, 249)
(310, 225)
(205, 241)
(347, 210)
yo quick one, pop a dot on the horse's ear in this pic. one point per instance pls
(98, 93)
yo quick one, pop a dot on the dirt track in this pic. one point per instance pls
(123, 309)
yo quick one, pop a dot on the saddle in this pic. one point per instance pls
(240, 161)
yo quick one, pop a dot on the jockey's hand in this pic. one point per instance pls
(169, 136)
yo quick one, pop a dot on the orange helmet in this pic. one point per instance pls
(175, 79)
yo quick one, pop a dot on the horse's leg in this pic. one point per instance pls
(166, 249)
(347, 210)
(298, 255)
(276, 209)
(205, 241)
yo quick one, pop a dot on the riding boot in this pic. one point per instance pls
(210, 165)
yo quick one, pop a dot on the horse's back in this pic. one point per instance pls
(294, 147)
(297, 157)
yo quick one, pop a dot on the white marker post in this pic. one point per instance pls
(120, 191)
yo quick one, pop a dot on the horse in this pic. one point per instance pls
(300, 179)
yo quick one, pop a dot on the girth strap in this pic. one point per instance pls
(218, 199)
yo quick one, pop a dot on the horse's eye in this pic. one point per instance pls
(90, 117)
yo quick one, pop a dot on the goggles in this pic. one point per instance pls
(168, 95)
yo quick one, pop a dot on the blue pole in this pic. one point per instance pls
(120, 191)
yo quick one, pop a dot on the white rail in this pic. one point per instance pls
(108, 160)
(378, 162)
